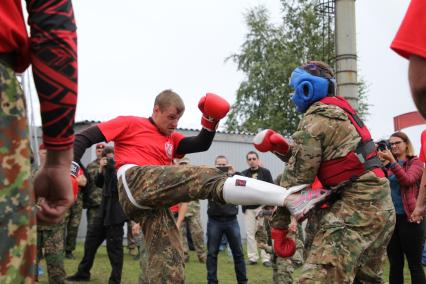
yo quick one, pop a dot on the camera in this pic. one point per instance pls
(223, 169)
(383, 145)
(110, 161)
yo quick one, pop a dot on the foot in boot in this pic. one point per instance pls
(299, 203)
(69, 255)
(78, 277)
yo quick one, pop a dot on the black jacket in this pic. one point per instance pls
(112, 213)
(219, 211)
(262, 174)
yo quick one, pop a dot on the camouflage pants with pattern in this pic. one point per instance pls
(353, 236)
(51, 239)
(160, 187)
(72, 222)
(91, 214)
(17, 214)
(197, 234)
(131, 240)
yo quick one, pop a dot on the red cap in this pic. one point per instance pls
(41, 147)
(100, 146)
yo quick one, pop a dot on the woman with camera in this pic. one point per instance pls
(404, 174)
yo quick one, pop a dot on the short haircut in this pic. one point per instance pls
(220, 157)
(252, 153)
(107, 150)
(410, 149)
(169, 98)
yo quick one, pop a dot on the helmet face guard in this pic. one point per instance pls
(307, 88)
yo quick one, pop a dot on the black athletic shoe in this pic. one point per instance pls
(69, 255)
(78, 278)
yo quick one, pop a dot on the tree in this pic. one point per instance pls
(268, 56)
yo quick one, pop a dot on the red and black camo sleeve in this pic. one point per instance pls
(54, 63)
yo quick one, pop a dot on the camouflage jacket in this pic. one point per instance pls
(193, 209)
(92, 197)
(324, 133)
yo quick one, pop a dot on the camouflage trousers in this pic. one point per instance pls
(131, 240)
(51, 239)
(160, 187)
(17, 214)
(72, 222)
(353, 235)
(91, 214)
(197, 234)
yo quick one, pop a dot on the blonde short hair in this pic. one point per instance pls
(169, 98)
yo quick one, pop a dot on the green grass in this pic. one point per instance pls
(195, 272)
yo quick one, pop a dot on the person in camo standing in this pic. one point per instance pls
(192, 222)
(93, 197)
(73, 216)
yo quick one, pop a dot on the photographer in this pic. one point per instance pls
(107, 225)
(404, 171)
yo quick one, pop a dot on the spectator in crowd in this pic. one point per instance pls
(404, 173)
(250, 212)
(93, 196)
(52, 51)
(132, 245)
(73, 216)
(107, 225)
(192, 225)
(50, 243)
(222, 220)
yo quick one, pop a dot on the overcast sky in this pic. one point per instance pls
(131, 50)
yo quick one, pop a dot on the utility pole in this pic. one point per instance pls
(346, 58)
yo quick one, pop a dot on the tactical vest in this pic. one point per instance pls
(355, 163)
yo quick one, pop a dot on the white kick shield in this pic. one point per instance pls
(240, 190)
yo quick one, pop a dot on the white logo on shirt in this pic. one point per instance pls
(168, 147)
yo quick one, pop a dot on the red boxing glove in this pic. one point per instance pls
(214, 108)
(283, 245)
(269, 140)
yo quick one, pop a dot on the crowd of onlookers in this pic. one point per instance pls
(98, 194)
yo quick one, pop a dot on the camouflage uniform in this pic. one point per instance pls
(364, 214)
(51, 238)
(143, 260)
(131, 240)
(72, 222)
(283, 268)
(93, 197)
(192, 218)
(17, 214)
(160, 187)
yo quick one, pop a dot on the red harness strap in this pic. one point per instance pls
(355, 163)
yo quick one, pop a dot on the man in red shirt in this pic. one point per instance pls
(52, 51)
(148, 183)
(410, 42)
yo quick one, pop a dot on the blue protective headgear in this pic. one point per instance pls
(307, 88)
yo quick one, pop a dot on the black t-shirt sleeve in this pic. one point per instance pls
(193, 144)
(85, 139)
